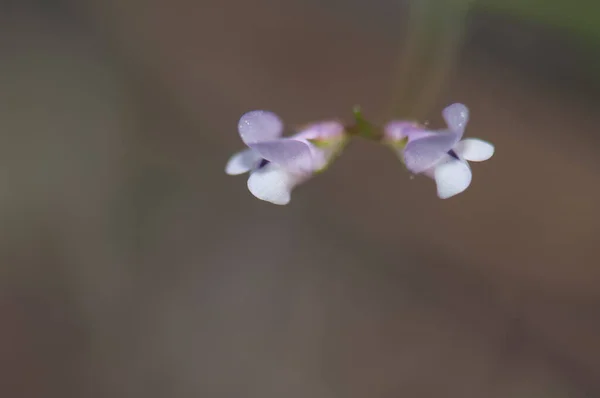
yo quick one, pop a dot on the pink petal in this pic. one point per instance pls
(399, 130)
(321, 131)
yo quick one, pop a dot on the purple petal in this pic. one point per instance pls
(423, 153)
(242, 162)
(257, 126)
(292, 155)
(398, 130)
(456, 117)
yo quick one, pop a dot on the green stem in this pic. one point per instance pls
(363, 128)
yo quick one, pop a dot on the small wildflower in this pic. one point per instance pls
(441, 155)
(278, 164)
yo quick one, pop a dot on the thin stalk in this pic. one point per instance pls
(435, 31)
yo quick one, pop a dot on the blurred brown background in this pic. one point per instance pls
(132, 266)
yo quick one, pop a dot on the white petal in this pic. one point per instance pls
(242, 162)
(474, 149)
(456, 117)
(452, 177)
(274, 184)
(257, 126)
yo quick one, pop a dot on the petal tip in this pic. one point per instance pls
(241, 162)
(452, 177)
(259, 125)
(456, 116)
(272, 184)
(474, 149)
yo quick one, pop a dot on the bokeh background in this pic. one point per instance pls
(132, 266)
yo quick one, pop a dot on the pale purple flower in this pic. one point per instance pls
(278, 164)
(441, 155)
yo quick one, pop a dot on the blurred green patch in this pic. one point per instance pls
(580, 18)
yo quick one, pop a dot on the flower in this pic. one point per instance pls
(441, 155)
(278, 164)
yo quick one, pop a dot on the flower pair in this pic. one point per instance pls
(278, 164)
